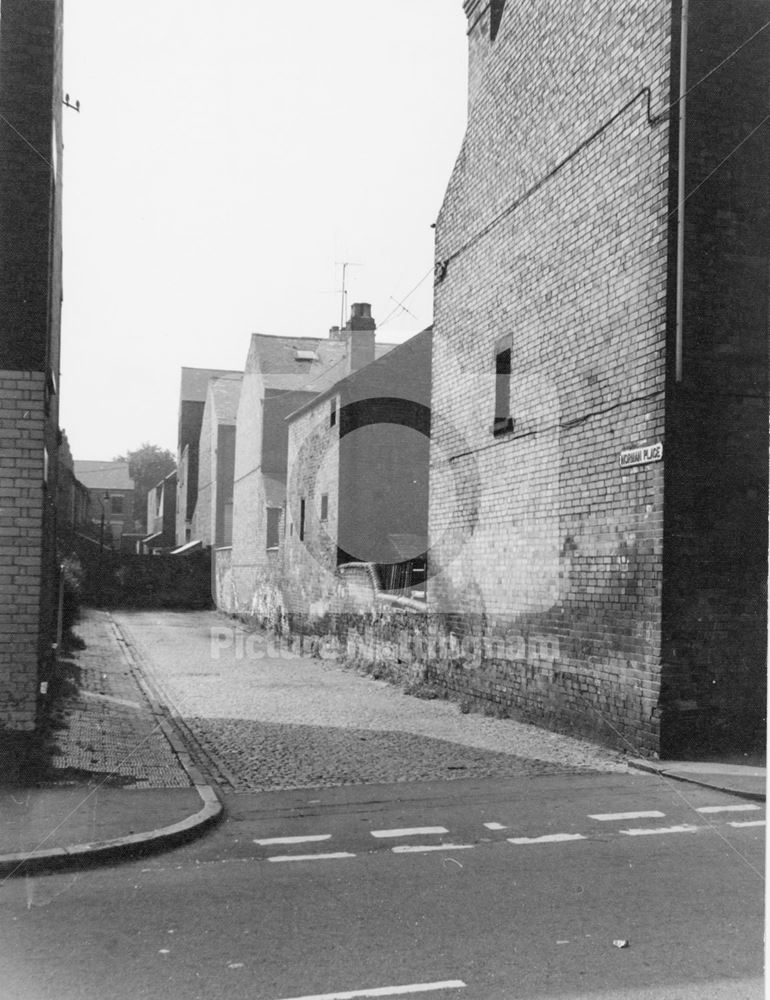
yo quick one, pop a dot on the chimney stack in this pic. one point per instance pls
(358, 333)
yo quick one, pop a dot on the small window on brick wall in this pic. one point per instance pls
(324, 506)
(495, 16)
(302, 520)
(503, 417)
(116, 503)
(273, 525)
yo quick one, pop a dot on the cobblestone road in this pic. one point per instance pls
(294, 722)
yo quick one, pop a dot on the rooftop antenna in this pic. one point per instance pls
(343, 303)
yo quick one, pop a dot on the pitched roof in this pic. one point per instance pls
(335, 379)
(325, 379)
(104, 475)
(298, 362)
(195, 382)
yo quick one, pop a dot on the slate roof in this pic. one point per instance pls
(104, 475)
(276, 358)
(335, 380)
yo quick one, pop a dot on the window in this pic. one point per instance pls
(324, 506)
(503, 419)
(333, 413)
(273, 526)
(495, 16)
(302, 520)
(116, 503)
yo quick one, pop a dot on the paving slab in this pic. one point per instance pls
(118, 782)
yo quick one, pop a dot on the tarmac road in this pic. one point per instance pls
(355, 862)
(333, 891)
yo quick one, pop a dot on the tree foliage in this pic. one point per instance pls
(147, 466)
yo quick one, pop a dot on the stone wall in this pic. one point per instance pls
(309, 564)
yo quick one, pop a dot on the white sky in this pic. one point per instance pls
(227, 155)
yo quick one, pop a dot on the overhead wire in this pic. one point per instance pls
(442, 264)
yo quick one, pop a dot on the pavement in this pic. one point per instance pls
(118, 782)
(121, 782)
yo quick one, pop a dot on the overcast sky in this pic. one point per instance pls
(228, 156)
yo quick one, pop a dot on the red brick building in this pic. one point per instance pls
(30, 313)
(111, 508)
(598, 508)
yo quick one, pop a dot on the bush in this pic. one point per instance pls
(72, 575)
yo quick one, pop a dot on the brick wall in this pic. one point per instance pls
(715, 622)
(30, 310)
(554, 234)
(23, 498)
(30, 203)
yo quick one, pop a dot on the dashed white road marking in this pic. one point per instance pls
(610, 817)
(416, 848)
(550, 838)
(387, 991)
(647, 831)
(311, 857)
(495, 826)
(743, 807)
(747, 822)
(409, 831)
(267, 841)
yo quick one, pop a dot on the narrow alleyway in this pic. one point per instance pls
(282, 721)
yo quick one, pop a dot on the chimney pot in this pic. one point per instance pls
(359, 336)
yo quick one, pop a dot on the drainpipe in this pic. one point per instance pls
(681, 197)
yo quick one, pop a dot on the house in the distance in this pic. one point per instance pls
(357, 483)
(111, 507)
(161, 516)
(212, 520)
(281, 374)
(192, 401)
